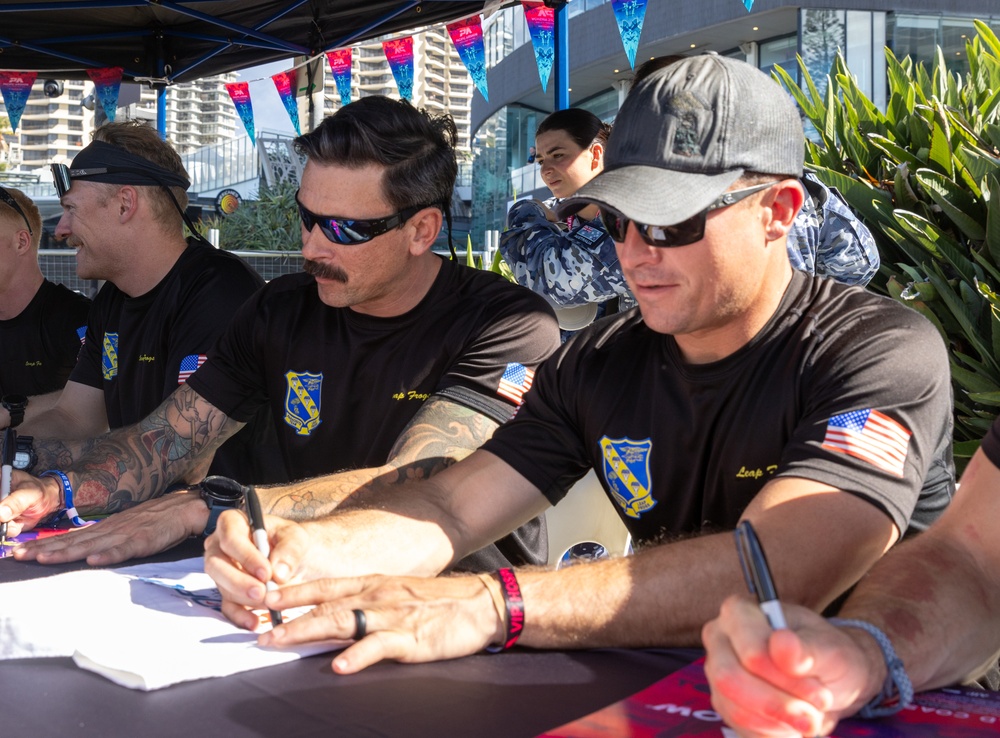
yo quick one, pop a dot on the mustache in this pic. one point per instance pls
(324, 271)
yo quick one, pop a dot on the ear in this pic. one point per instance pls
(128, 202)
(425, 227)
(782, 204)
(23, 242)
(597, 150)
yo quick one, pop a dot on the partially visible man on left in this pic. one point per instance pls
(164, 302)
(42, 324)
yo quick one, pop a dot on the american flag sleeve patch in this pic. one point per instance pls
(189, 365)
(516, 380)
(870, 436)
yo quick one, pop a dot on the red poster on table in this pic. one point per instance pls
(680, 706)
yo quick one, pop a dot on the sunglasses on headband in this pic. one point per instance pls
(8, 199)
(349, 231)
(679, 234)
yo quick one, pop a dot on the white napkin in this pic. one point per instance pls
(144, 627)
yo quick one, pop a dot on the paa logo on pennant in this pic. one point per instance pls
(626, 471)
(302, 401)
(109, 356)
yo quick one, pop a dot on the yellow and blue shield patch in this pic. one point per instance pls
(302, 401)
(109, 356)
(626, 472)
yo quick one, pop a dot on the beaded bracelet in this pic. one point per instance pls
(514, 606)
(897, 690)
(69, 509)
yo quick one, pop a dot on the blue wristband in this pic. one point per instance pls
(897, 691)
(69, 509)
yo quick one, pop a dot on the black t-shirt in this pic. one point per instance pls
(38, 347)
(342, 386)
(991, 443)
(140, 349)
(683, 448)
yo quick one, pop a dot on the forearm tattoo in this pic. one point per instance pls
(440, 434)
(132, 464)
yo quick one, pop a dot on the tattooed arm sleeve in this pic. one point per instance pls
(119, 469)
(440, 434)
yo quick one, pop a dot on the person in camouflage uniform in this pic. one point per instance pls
(571, 263)
(827, 238)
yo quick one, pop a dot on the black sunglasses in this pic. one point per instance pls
(8, 199)
(679, 234)
(348, 231)
(63, 176)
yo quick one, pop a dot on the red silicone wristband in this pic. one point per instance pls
(514, 606)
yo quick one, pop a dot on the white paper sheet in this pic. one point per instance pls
(144, 627)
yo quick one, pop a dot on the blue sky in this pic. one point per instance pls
(268, 112)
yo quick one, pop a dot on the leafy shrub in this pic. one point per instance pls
(925, 177)
(270, 223)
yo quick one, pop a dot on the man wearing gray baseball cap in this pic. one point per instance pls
(738, 390)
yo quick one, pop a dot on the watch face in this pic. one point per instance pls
(14, 401)
(222, 490)
(22, 460)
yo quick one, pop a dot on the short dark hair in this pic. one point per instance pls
(416, 149)
(581, 125)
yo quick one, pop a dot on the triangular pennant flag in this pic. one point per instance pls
(240, 93)
(285, 82)
(467, 35)
(340, 65)
(630, 15)
(16, 86)
(107, 83)
(399, 52)
(748, 4)
(541, 21)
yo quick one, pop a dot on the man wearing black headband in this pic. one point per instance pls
(382, 358)
(163, 304)
(41, 323)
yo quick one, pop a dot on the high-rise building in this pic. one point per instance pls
(54, 128)
(441, 83)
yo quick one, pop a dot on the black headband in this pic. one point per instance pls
(127, 168)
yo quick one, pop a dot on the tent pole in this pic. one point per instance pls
(561, 53)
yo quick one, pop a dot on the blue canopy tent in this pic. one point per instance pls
(161, 42)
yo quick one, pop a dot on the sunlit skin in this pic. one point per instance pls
(714, 295)
(86, 211)
(370, 277)
(566, 167)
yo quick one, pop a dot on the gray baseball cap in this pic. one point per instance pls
(686, 133)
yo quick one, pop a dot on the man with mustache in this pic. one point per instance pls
(163, 304)
(382, 359)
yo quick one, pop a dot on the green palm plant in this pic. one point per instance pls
(924, 175)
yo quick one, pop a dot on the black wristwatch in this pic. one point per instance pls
(25, 457)
(220, 493)
(15, 405)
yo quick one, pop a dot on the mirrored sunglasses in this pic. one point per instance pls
(679, 234)
(8, 199)
(348, 231)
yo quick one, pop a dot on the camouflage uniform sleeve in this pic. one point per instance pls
(828, 239)
(569, 267)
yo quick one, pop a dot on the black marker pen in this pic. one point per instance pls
(758, 574)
